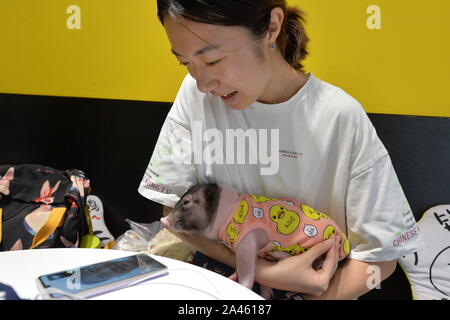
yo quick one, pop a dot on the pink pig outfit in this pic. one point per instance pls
(290, 226)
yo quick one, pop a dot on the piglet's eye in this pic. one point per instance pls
(186, 204)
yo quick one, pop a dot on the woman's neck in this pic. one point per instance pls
(284, 83)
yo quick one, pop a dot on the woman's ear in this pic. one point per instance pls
(276, 22)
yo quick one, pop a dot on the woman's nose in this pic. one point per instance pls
(205, 87)
(205, 82)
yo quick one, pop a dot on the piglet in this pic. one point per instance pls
(251, 226)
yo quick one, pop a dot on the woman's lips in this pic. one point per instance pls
(230, 97)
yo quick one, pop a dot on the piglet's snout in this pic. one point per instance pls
(165, 222)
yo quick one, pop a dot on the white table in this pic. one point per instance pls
(19, 269)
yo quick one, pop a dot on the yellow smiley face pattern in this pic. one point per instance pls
(287, 221)
(285, 218)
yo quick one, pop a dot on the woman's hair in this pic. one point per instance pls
(251, 14)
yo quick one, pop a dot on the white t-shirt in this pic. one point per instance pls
(319, 147)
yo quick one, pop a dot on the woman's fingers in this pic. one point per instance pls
(330, 263)
(319, 249)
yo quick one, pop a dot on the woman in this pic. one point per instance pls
(246, 79)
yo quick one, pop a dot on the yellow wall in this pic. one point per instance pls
(121, 52)
(402, 68)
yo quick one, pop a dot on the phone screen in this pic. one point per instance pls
(105, 276)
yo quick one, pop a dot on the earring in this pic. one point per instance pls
(272, 46)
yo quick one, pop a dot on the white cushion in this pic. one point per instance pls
(428, 270)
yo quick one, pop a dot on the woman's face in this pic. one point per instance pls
(224, 60)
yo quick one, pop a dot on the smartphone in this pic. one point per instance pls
(95, 279)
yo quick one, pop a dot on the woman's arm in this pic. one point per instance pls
(293, 274)
(356, 278)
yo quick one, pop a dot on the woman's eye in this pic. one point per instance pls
(210, 64)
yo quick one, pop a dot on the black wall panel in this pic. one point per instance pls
(420, 151)
(110, 140)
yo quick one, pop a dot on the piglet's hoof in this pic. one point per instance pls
(266, 292)
(234, 277)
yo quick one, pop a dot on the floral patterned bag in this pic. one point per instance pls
(41, 207)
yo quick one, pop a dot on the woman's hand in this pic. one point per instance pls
(297, 273)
